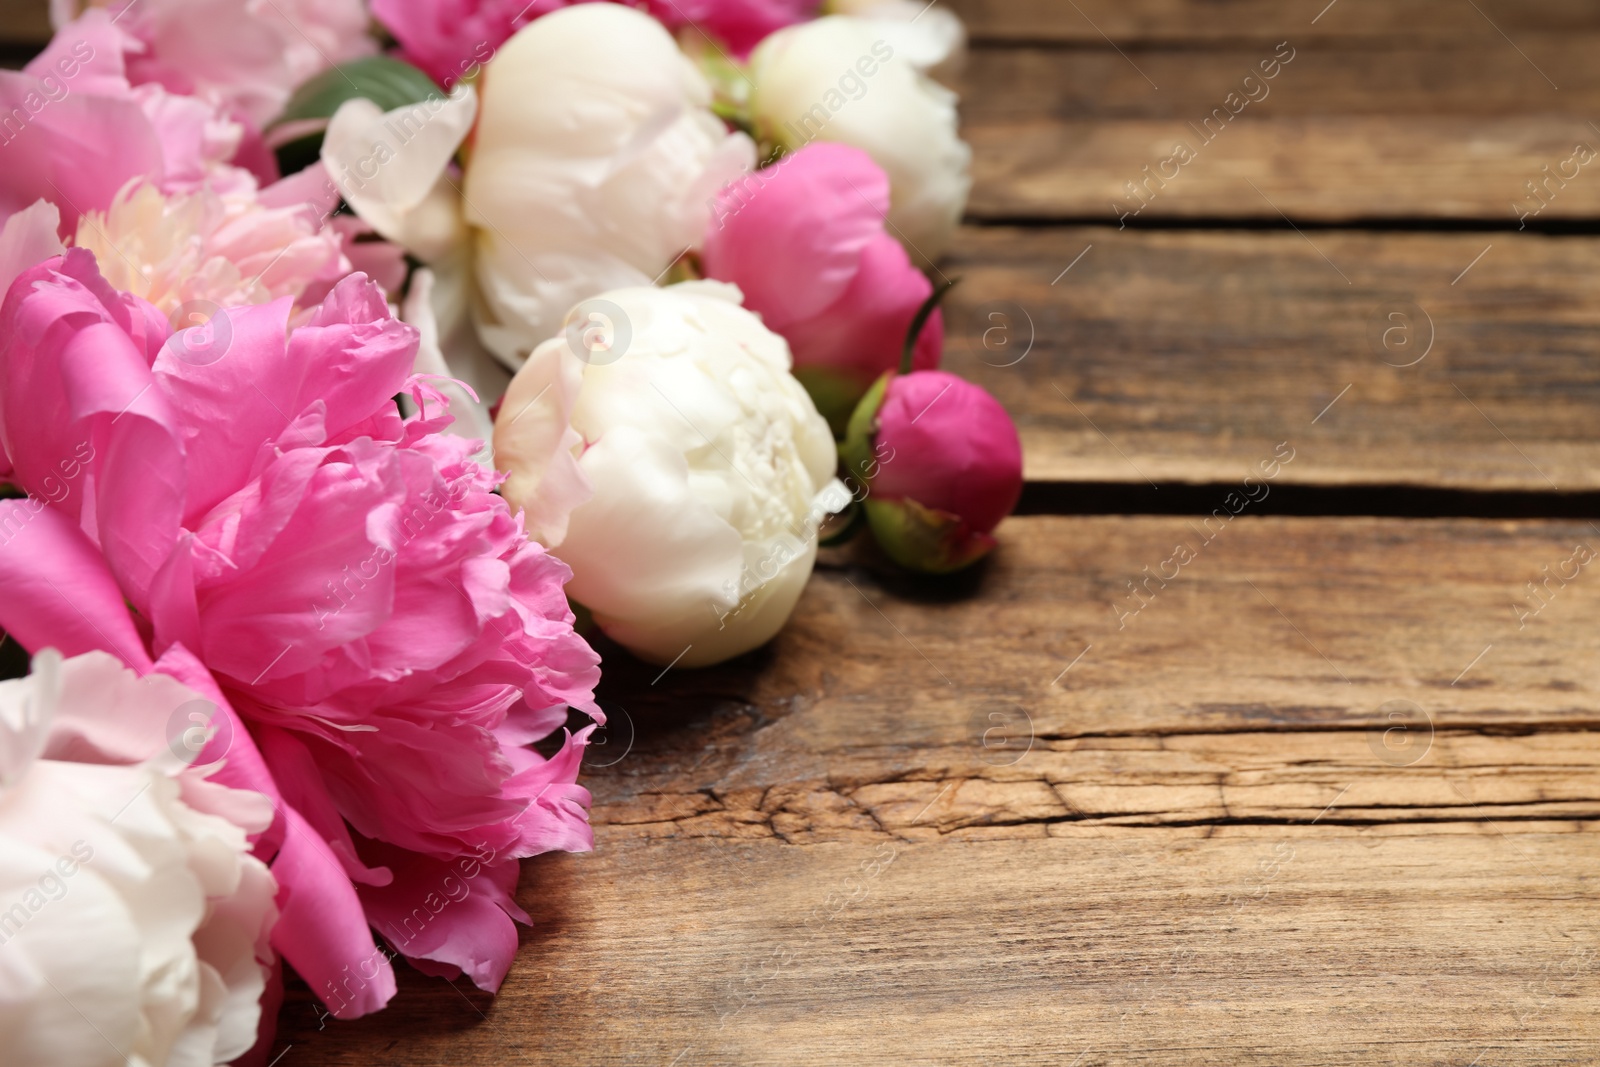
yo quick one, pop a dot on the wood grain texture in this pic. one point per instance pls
(1400, 128)
(1410, 76)
(1426, 947)
(1211, 22)
(1197, 854)
(24, 22)
(1189, 355)
(1390, 130)
(1326, 169)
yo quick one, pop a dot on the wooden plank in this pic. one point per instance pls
(1165, 949)
(1188, 356)
(812, 854)
(1147, 22)
(24, 22)
(1328, 169)
(1478, 79)
(1253, 686)
(1336, 135)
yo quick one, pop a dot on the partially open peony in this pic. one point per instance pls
(242, 506)
(133, 919)
(662, 443)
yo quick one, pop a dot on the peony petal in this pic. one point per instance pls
(819, 208)
(322, 930)
(59, 593)
(352, 356)
(231, 746)
(695, 560)
(84, 398)
(204, 386)
(297, 775)
(535, 441)
(29, 238)
(457, 913)
(79, 139)
(457, 382)
(81, 732)
(391, 166)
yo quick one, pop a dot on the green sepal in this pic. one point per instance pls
(925, 539)
(856, 451)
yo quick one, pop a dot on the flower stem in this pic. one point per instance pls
(920, 320)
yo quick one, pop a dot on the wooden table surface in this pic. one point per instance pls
(1326, 796)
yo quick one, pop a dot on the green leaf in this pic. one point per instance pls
(385, 81)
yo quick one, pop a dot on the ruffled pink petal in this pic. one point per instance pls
(322, 930)
(80, 416)
(58, 592)
(557, 815)
(298, 776)
(456, 913)
(352, 355)
(62, 139)
(241, 355)
(421, 787)
(791, 235)
(307, 578)
(861, 334)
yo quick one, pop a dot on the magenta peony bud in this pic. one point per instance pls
(941, 465)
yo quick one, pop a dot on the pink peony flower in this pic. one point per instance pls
(805, 241)
(245, 56)
(942, 465)
(136, 920)
(196, 251)
(73, 131)
(450, 39)
(242, 507)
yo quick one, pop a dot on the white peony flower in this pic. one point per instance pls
(593, 165)
(864, 82)
(932, 37)
(662, 443)
(133, 921)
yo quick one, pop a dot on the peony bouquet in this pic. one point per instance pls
(349, 356)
